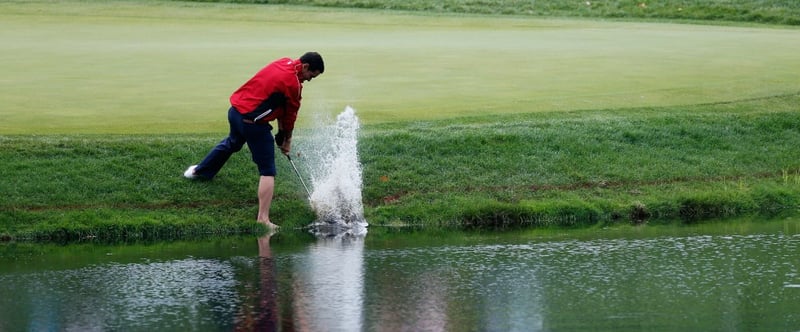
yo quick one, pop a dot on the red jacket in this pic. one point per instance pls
(277, 78)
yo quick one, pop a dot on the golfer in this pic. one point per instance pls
(274, 93)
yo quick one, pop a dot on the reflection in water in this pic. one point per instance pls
(320, 290)
(181, 295)
(696, 282)
(452, 288)
(262, 312)
(328, 284)
(419, 305)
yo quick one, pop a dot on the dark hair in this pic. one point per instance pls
(314, 61)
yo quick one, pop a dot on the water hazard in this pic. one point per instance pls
(686, 278)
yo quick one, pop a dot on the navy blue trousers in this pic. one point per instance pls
(258, 138)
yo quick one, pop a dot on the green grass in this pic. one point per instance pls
(588, 166)
(771, 11)
(155, 67)
(688, 163)
(122, 187)
(468, 120)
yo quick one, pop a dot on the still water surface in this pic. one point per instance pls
(729, 277)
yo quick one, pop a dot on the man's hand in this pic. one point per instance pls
(286, 147)
(283, 142)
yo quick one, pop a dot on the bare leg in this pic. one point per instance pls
(266, 186)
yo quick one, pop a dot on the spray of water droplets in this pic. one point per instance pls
(336, 174)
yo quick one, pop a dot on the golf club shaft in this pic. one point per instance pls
(298, 176)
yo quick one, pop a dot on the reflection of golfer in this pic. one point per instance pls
(259, 310)
(267, 317)
(274, 93)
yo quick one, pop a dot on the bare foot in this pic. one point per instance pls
(272, 227)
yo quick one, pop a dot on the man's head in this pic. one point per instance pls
(313, 66)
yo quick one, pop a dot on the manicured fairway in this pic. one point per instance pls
(169, 67)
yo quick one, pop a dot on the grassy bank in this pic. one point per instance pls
(677, 163)
(773, 11)
(118, 187)
(688, 163)
(468, 120)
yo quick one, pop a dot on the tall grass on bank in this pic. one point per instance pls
(770, 11)
(128, 187)
(687, 163)
(676, 163)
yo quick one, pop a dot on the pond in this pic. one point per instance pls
(742, 275)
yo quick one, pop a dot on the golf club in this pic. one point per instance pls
(298, 176)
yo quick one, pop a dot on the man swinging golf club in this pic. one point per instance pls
(274, 93)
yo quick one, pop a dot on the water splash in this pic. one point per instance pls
(336, 178)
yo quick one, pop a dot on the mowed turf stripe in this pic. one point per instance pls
(169, 67)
